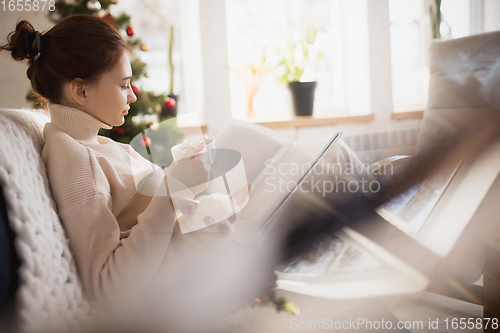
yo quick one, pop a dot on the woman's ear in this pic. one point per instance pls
(77, 91)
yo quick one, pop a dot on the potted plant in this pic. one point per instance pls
(295, 59)
(435, 15)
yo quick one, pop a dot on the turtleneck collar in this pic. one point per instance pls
(80, 125)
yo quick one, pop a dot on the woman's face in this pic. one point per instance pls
(109, 98)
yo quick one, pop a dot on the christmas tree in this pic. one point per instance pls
(148, 110)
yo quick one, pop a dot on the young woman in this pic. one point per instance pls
(120, 231)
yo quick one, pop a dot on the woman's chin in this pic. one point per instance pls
(119, 122)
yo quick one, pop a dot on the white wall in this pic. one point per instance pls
(14, 84)
(491, 15)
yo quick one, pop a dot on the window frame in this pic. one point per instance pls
(214, 48)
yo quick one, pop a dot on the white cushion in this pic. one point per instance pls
(49, 297)
(464, 81)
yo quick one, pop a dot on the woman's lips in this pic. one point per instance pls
(125, 112)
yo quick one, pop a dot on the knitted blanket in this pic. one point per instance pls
(49, 297)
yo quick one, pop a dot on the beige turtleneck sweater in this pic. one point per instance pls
(119, 235)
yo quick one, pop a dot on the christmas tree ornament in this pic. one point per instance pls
(55, 16)
(145, 142)
(110, 19)
(144, 47)
(130, 31)
(169, 103)
(119, 130)
(157, 108)
(136, 90)
(93, 5)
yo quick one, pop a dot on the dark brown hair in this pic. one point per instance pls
(79, 46)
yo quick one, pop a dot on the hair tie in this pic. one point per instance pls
(36, 44)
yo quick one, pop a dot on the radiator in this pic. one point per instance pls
(371, 147)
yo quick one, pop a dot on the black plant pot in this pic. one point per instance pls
(303, 97)
(169, 113)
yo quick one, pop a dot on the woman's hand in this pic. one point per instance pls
(193, 170)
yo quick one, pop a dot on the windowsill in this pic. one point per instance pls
(408, 115)
(311, 121)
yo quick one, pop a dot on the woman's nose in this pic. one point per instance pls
(131, 97)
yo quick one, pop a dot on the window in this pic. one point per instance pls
(410, 36)
(455, 18)
(151, 24)
(260, 27)
(409, 72)
(152, 20)
(347, 81)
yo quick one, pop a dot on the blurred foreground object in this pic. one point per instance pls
(461, 124)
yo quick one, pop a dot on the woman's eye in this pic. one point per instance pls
(125, 87)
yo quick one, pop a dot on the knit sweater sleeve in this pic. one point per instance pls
(110, 267)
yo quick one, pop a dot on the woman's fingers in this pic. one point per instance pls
(193, 150)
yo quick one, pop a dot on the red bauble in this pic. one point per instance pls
(170, 103)
(136, 90)
(145, 142)
(110, 19)
(130, 31)
(119, 130)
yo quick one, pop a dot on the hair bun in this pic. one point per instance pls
(20, 41)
